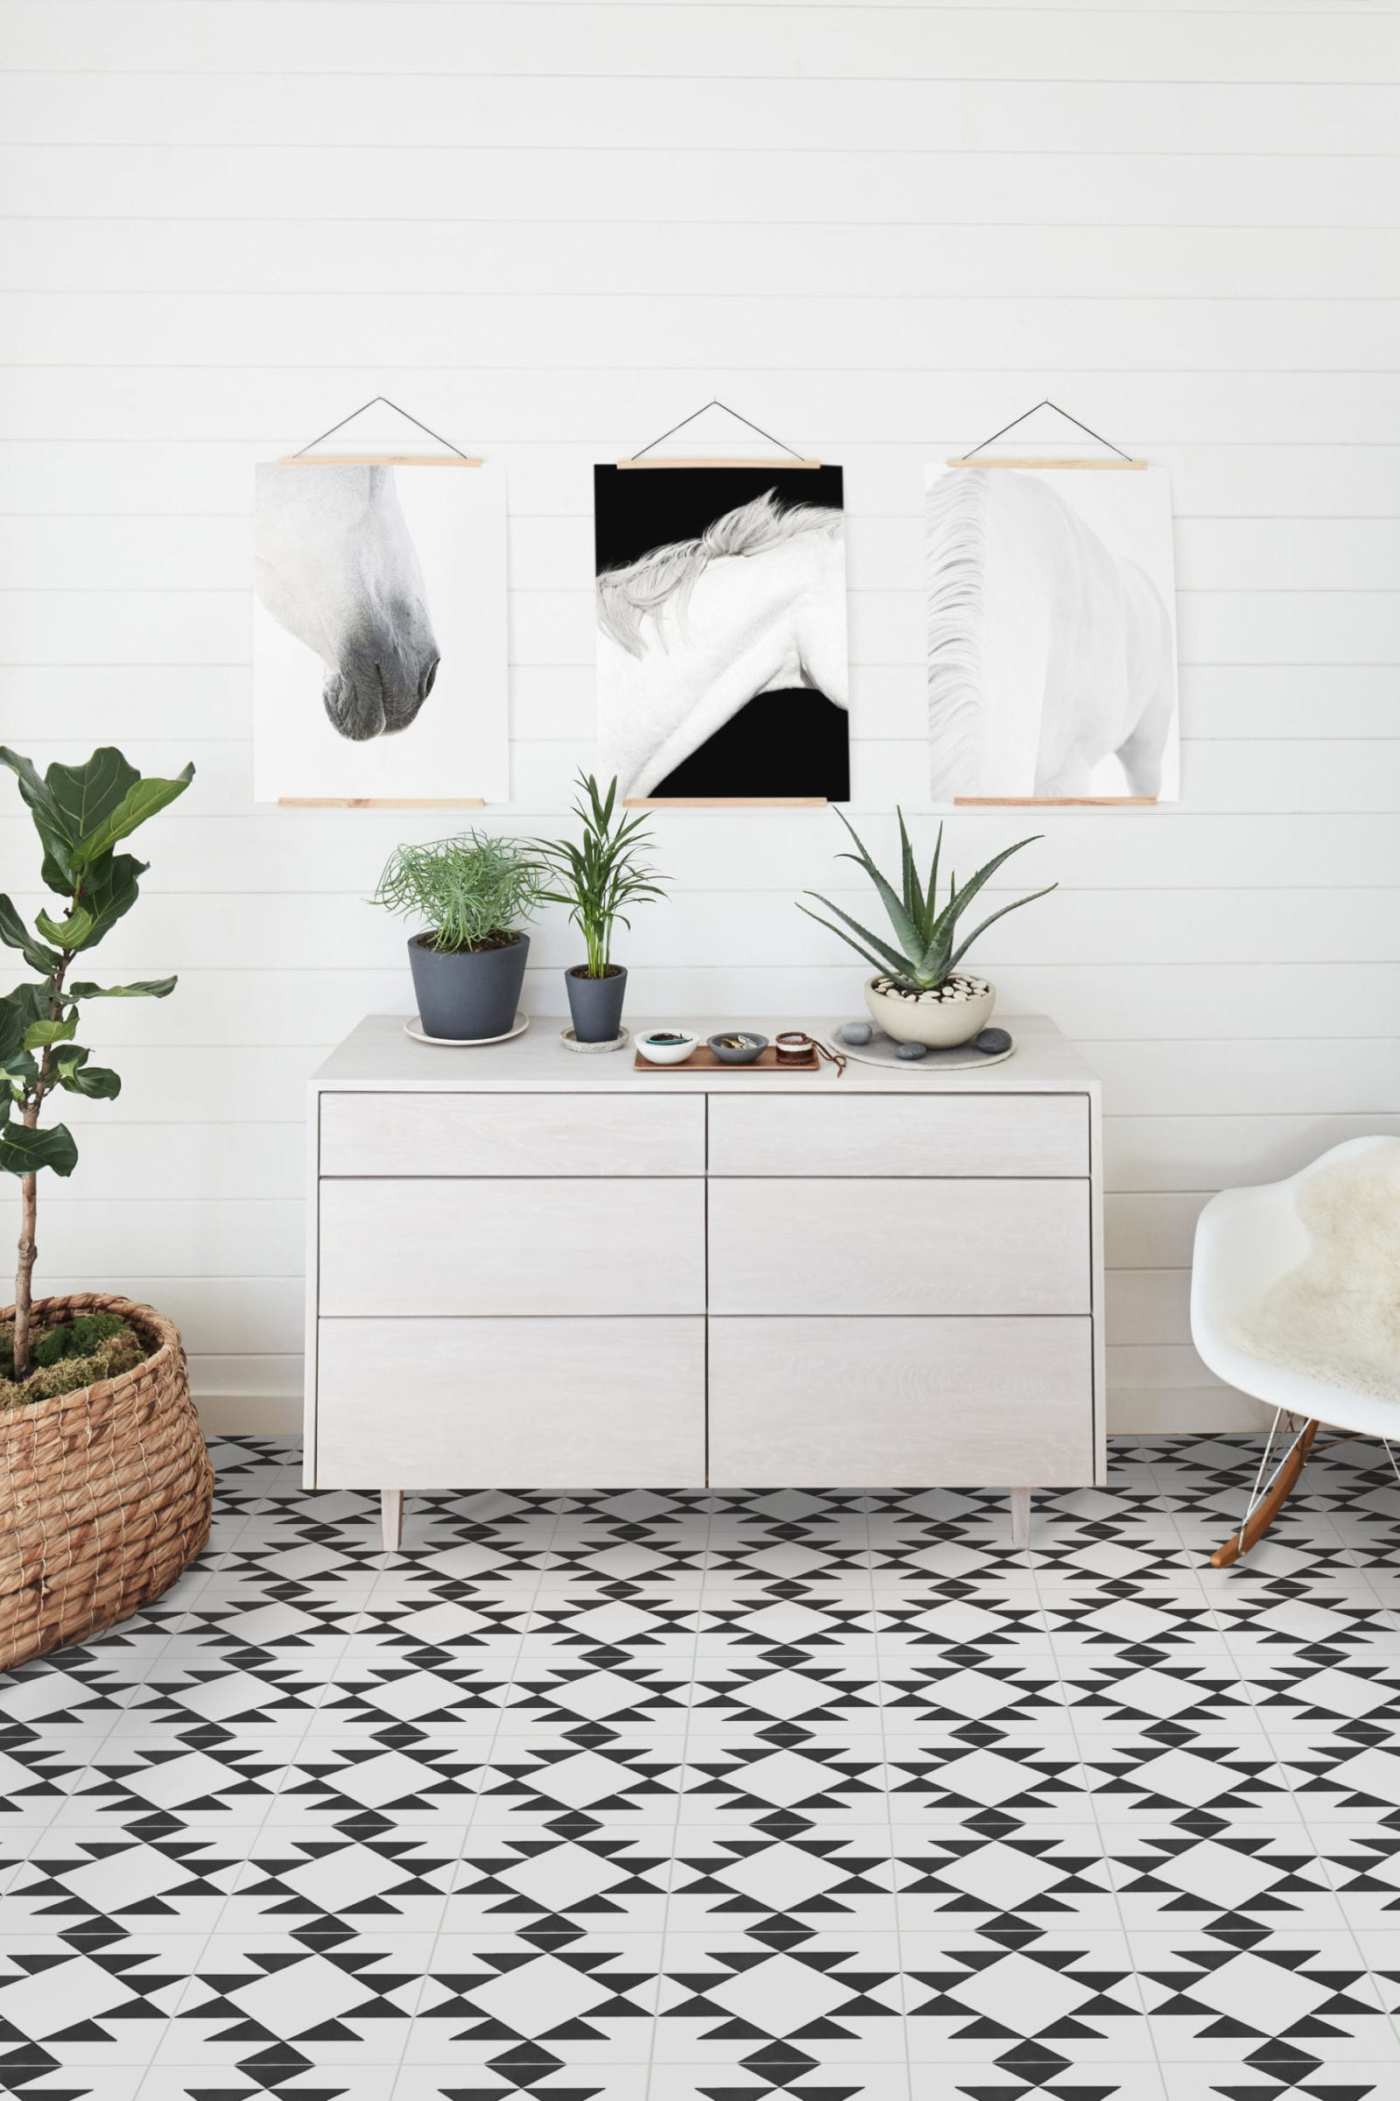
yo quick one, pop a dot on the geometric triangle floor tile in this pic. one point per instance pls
(772, 1795)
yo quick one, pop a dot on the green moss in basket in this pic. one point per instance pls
(69, 1356)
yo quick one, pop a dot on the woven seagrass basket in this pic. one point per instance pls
(105, 1493)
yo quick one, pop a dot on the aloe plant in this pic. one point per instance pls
(926, 955)
(80, 813)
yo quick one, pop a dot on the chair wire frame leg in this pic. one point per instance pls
(1267, 1497)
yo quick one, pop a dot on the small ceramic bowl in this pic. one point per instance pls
(737, 1046)
(666, 1046)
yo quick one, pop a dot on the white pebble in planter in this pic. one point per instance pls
(954, 1013)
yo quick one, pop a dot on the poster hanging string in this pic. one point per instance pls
(373, 402)
(714, 404)
(1097, 436)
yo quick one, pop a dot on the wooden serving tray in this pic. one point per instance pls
(703, 1059)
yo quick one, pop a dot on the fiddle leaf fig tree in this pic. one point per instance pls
(81, 814)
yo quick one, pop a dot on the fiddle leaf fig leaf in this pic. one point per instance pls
(74, 1073)
(85, 796)
(19, 1011)
(23, 1152)
(20, 1072)
(69, 932)
(15, 934)
(48, 820)
(40, 1034)
(140, 988)
(109, 889)
(106, 799)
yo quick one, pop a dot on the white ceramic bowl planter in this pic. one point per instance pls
(959, 1010)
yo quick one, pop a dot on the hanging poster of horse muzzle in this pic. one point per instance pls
(379, 631)
(720, 601)
(1051, 608)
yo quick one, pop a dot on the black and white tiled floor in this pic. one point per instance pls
(783, 1796)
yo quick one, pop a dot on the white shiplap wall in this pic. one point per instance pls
(553, 226)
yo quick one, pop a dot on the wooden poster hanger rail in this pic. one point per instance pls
(380, 459)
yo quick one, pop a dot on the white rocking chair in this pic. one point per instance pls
(1246, 1241)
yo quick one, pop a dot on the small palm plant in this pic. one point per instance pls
(926, 956)
(597, 879)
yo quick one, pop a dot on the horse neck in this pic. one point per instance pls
(736, 635)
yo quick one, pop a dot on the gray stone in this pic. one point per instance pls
(912, 1050)
(855, 1033)
(991, 1041)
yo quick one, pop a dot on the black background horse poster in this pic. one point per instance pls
(720, 601)
(379, 632)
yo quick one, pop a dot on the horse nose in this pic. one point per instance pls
(425, 683)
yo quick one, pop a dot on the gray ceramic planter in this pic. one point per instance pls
(596, 1003)
(472, 994)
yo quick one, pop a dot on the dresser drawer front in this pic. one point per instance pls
(512, 1247)
(881, 1403)
(511, 1403)
(924, 1134)
(899, 1246)
(511, 1134)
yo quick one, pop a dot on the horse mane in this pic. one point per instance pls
(625, 596)
(955, 540)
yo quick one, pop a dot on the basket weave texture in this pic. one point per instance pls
(105, 1493)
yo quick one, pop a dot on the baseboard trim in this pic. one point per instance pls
(1140, 1412)
(249, 1415)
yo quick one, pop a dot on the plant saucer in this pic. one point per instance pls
(570, 1042)
(413, 1027)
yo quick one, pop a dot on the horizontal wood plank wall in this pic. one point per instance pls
(553, 226)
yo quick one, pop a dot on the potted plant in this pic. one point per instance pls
(109, 1481)
(468, 963)
(595, 880)
(918, 994)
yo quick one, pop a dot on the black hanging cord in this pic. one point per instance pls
(1097, 436)
(373, 402)
(702, 411)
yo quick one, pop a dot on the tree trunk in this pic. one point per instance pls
(24, 1274)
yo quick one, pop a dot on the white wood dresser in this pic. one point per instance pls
(531, 1268)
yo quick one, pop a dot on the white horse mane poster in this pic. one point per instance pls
(720, 601)
(379, 632)
(1051, 604)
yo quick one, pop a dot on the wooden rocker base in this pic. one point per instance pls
(1268, 1507)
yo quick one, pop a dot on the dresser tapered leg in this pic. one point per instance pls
(391, 1512)
(1020, 1517)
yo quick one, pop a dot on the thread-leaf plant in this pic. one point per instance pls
(470, 892)
(599, 876)
(925, 933)
(81, 814)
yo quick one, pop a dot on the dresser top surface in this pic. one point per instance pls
(377, 1057)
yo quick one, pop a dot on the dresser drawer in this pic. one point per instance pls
(921, 1134)
(511, 1134)
(899, 1246)
(510, 1403)
(510, 1247)
(877, 1403)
